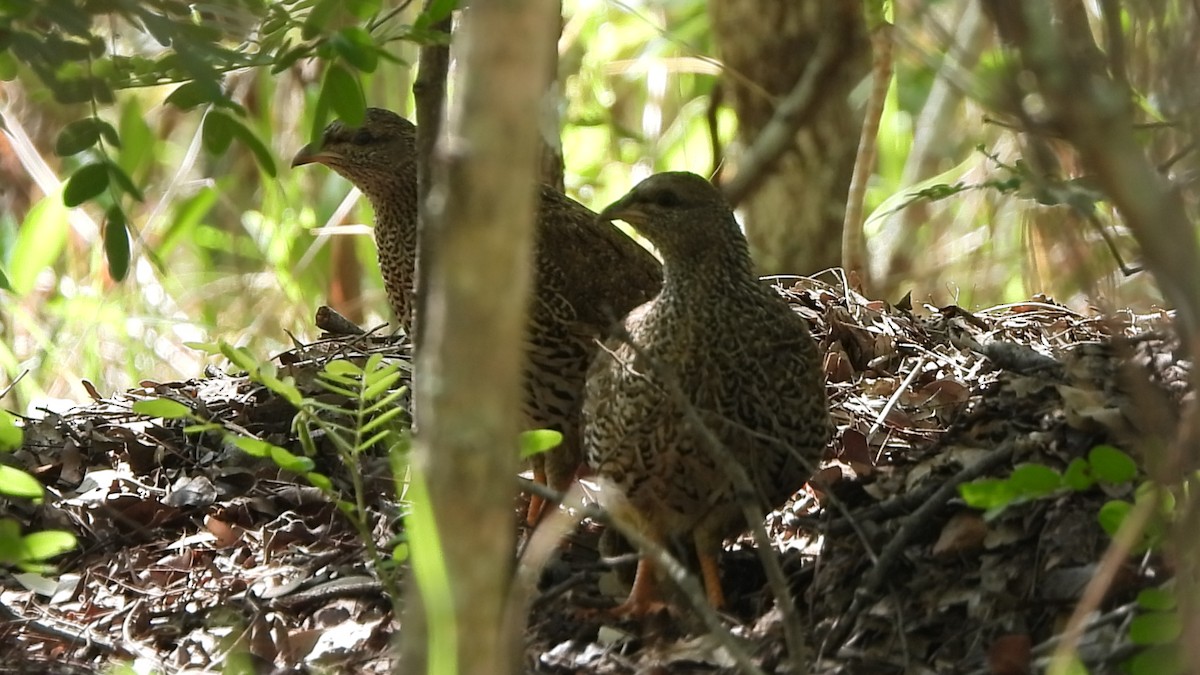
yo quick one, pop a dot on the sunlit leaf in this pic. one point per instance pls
(1111, 465)
(48, 544)
(162, 407)
(319, 17)
(87, 182)
(1159, 599)
(40, 241)
(1035, 480)
(987, 493)
(11, 435)
(1078, 475)
(1158, 660)
(290, 462)
(17, 483)
(537, 441)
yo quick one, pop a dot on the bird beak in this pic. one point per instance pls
(313, 154)
(626, 209)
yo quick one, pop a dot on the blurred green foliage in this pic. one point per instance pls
(171, 124)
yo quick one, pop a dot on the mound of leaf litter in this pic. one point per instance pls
(190, 549)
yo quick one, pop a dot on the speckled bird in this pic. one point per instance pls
(715, 339)
(588, 275)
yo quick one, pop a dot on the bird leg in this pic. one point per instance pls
(643, 597)
(712, 579)
(536, 503)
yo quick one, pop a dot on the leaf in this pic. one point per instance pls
(319, 17)
(137, 140)
(319, 481)
(1154, 628)
(344, 93)
(1035, 480)
(537, 441)
(987, 493)
(5, 285)
(1159, 599)
(261, 154)
(77, 137)
(435, 12)
(11, 435)
(87, 182)
(17, 483)
(1078, 476)
(165, 408)
(290, 462)
(364, 9)
(193, 93)
(253, 446)
(40, 241)
(354, 44)
(1157, 660)
(123, 181)
(116, 243)
(217, 132)
(1112, 514)
(1112, 465)
(48, 544)
(8, 66)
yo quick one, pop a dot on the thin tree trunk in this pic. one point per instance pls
(477, 262)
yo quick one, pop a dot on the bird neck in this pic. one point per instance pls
(395, 206)
(698, 274)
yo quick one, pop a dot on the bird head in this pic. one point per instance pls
(371, 154)
(677, 211)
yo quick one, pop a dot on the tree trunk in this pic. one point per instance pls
(477, 261)
(793, 216)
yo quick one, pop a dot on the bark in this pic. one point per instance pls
(476, 258)
(793, 214)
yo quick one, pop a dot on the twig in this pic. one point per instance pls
(853, 246)
(780, 132)
(912, 526)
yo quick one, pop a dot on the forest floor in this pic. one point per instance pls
(190, 550)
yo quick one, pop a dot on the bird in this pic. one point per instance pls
(716, 340)
(588, 275)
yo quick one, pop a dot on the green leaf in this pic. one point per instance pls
(239, 357)
(123, 181)
(354, 44)
(193, 93)
(11, 544)
(1078, 475)
(435, 12)
(5, 285)
(137, 141)
(1154, 628)
(261, 154)
(344, 94)
(217, 132)
(48, 544)
(8, 66)
(987, 493)
(253, 446)
(364, 9)
(1112, 465)
(1159, 599)
(11, 435)
(319, 481)
(1158, 660)
(318, 18)
(537, 441)
(77, 137)
(87, 182)
(1112, 514)
(343, 367)
(17, 483)
(165, 408)
(116, 243)
(289, 462)
(1035, 480)
(40, 241)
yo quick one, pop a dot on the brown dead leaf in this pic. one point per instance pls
(854, 451)
(946, 391)
(963, 533)
(1010, 655)
(837, 366)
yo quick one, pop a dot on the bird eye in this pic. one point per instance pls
(665, 198)
(362, 137)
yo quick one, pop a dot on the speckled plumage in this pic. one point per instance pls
(744, 361)
(588, 273)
